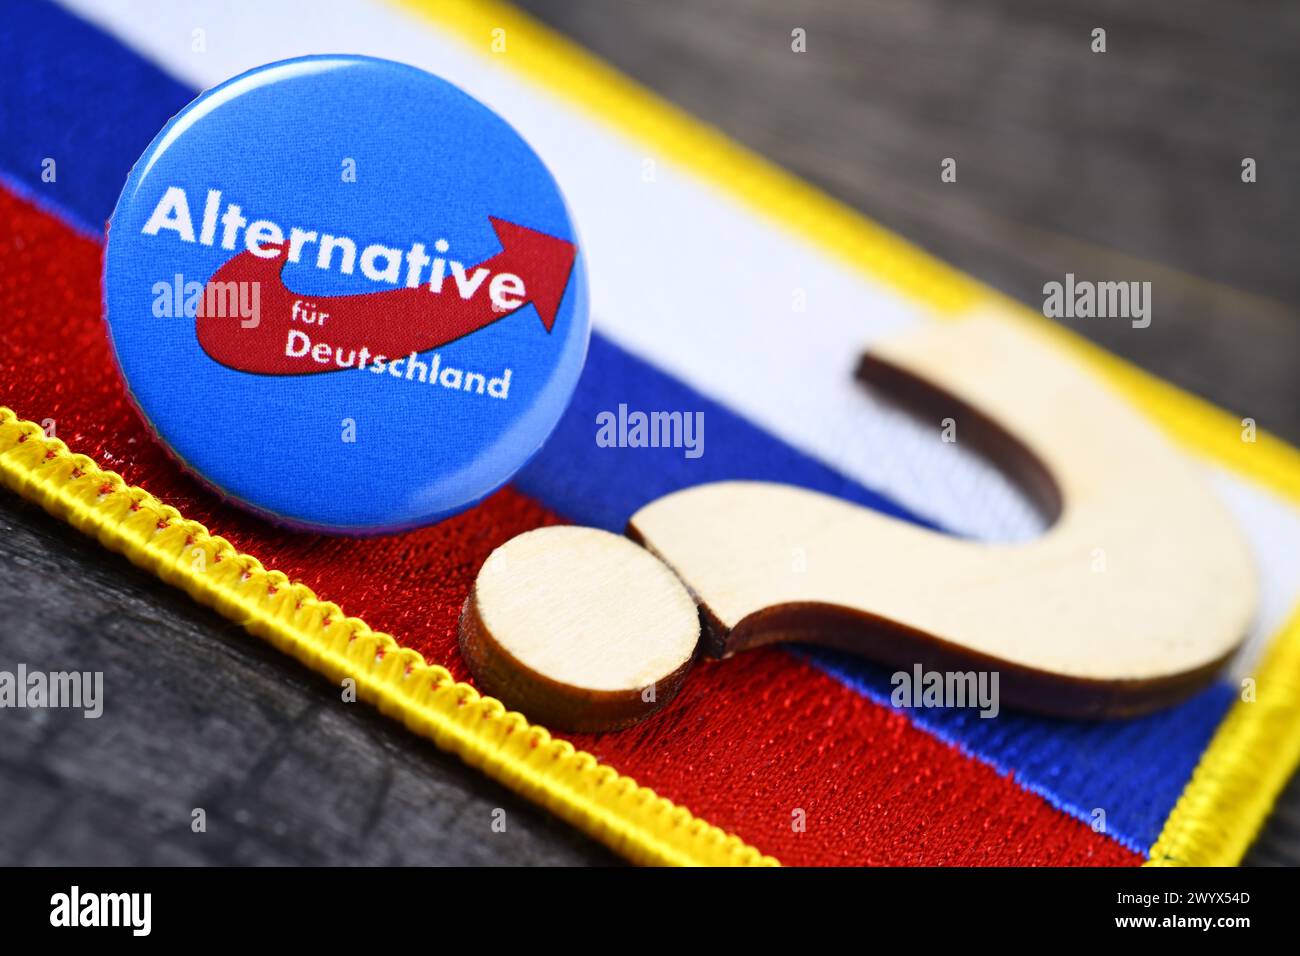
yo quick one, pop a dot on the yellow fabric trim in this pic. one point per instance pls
(1247, 764)
(612, 808)
(1257, 747)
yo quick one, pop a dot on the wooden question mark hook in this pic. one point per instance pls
(1138, 592)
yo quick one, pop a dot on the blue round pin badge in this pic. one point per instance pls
(345, 294)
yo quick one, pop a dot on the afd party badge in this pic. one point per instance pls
(345, 294)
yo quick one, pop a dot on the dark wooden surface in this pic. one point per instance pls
(1121, 166)
(199, 714)
(1118, 166)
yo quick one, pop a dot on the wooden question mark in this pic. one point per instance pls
(1138, 592)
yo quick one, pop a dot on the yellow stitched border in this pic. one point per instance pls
(630, 819)
(1246, 765)
(1257, 747)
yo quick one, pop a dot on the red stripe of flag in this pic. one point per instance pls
(763, 744)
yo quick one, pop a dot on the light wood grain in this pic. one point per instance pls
(578, 628)
(1135, 596)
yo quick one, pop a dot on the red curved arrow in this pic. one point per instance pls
(391, 323)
